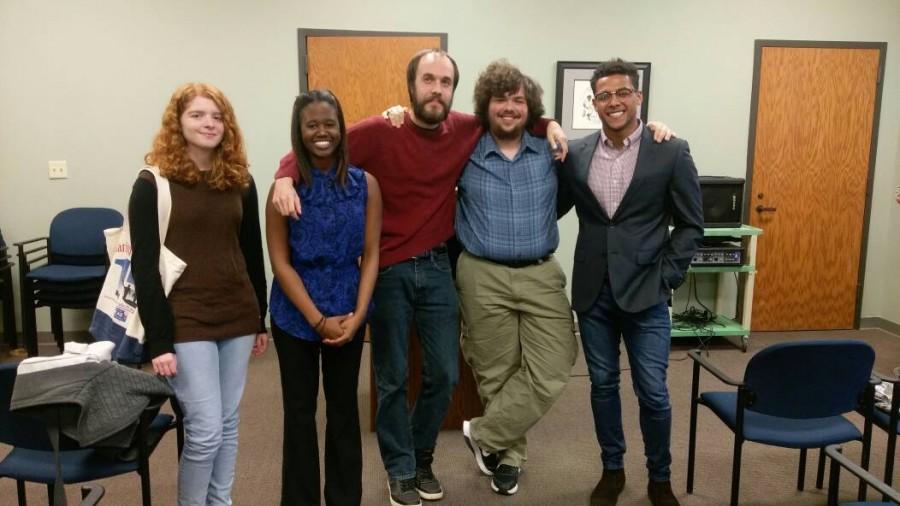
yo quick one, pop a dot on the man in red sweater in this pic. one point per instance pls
(417, 167)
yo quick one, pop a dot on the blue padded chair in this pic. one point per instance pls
(794, 395)
(31, 459)
(71, 278)
(890, 423)
(6, 296)
(890, 496)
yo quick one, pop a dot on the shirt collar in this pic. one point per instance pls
(529, 142)
(628, 140)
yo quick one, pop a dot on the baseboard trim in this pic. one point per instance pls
(876, 322)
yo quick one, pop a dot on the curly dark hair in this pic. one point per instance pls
(499, 78)
(615, 66)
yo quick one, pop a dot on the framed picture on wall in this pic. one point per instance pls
(574, 96)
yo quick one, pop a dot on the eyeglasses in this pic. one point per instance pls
(622, 94)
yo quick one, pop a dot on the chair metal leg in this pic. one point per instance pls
(801, 472)
(834, 482)
(145, 484)
(57, 327)
(9, 312)
(20, 492)
(736, 470)
(692, 435)
(820, 473)
(144, 460)
(869, 406)
(891, 440)
(50, 497)
(29, 325)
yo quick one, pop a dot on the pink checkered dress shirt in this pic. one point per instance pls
(611, 169)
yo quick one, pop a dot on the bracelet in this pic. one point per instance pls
(321, 324)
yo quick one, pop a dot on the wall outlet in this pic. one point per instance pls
(58, 169)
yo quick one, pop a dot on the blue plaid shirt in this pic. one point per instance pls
(507, 208)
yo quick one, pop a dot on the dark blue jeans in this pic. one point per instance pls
(419, 290)
(647, 336)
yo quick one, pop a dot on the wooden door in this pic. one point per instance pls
(367, 72)
(812, 153)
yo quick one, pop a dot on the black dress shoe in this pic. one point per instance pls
(607, 491)
(660, 493)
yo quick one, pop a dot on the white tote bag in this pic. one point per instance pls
(116, 316)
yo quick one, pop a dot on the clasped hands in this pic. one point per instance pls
(338, 330)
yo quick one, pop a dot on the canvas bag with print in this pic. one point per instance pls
(116, 316)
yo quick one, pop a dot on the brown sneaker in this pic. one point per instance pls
(607, 491)
(660, 493)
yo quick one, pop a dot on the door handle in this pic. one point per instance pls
(763, 209)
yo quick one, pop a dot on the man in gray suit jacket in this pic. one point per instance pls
(627, 190)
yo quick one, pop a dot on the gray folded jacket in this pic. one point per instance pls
(96, 404)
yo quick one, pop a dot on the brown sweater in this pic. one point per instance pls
(221, 293)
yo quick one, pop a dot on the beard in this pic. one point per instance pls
(507, 135)
(431, 117)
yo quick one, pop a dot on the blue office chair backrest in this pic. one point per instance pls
(15, 429)
(809, 379)
(76, 235)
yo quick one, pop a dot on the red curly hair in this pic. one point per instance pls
(229, 167)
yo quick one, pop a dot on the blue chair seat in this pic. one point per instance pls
(59, 273)
(777, 431)
(77, 465)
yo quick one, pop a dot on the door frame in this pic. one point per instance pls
(870, 176)
(303, 33)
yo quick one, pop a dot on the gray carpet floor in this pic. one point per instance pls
(563, 464)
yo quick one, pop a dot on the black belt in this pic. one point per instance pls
(518, 264)
(429, 253)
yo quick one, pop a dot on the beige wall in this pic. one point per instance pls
(87, 81)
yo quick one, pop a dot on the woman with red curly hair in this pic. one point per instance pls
(201, 337)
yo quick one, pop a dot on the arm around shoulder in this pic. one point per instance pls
(285, 197)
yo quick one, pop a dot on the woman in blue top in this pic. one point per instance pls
(325, 264)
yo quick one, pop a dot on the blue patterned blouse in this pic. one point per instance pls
(325, 244)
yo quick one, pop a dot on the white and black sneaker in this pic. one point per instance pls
(404, 493)
(505, 480)
(427, 484)
(486, 461)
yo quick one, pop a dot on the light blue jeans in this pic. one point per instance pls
(209, 386)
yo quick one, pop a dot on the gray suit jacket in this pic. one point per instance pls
(634, 248)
